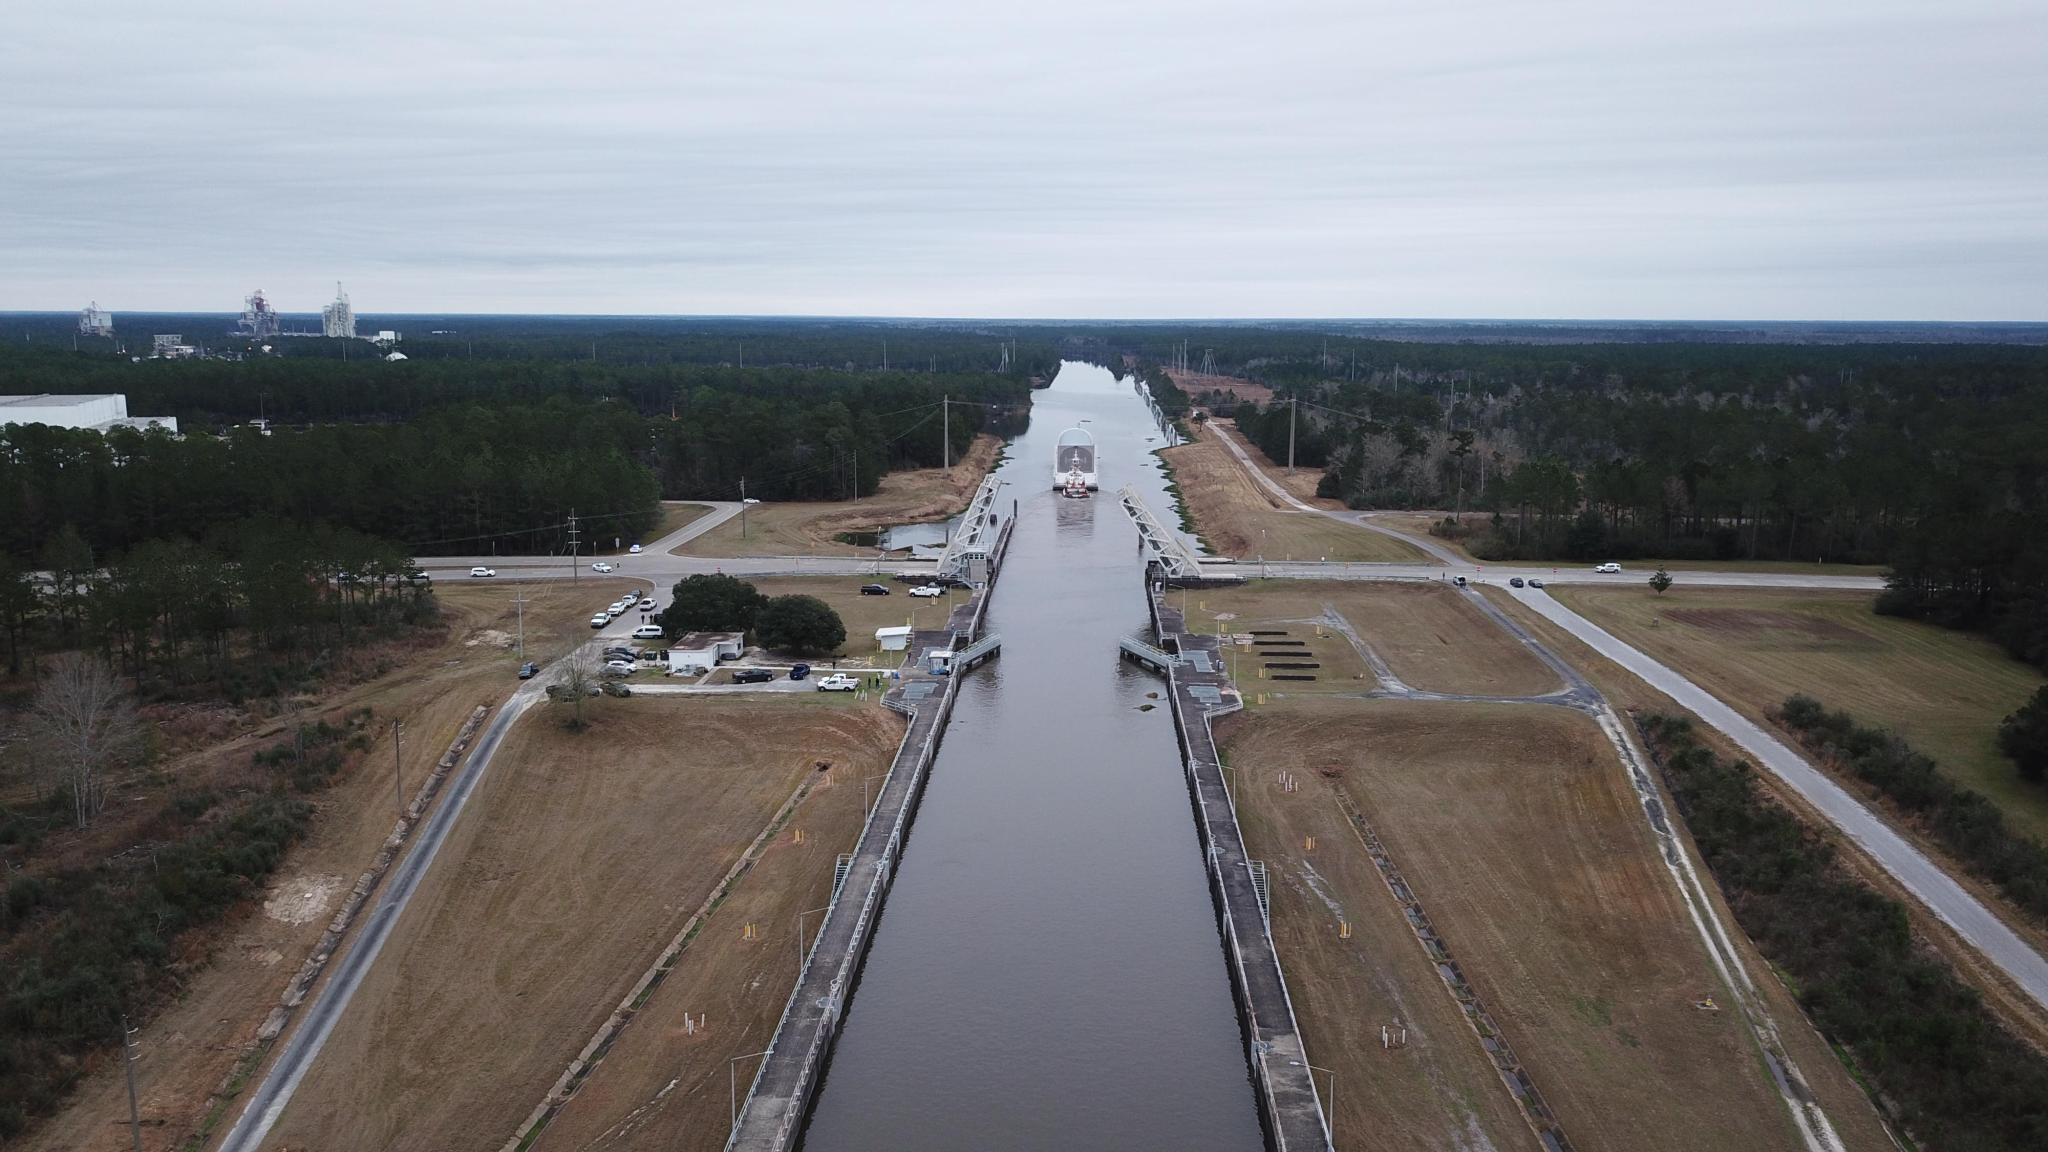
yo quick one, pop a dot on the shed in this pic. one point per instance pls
(893, 639)
(696, 653)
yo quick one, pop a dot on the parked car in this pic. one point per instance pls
(1535, 583)
(625, 667)
(528, 670)
(874, 589)
(480, 570)
(647, 632)
(1610, 568)
(838, 682)
(1458, 580)
(600, 566)
(600, 620)
(647, 604)
(635, 550)
(618, 652)
(928, 591)
(799, 671)
(751, 675)
(1514, 581)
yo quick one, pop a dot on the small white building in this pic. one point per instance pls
(895, 639)
(696, 653)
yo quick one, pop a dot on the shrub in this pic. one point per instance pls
(2024, 737)
(803, 625)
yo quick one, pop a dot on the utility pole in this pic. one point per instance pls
(1293, 406)
(128, 1059)
(572, 548)
(397, 771)
(519, 604)
(743, 507)
(946, 419)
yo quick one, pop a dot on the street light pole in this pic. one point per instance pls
(732, 1083)
(800, 939)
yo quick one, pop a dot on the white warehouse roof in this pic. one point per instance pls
(99, 412)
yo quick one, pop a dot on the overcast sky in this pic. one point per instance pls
(1718, 159)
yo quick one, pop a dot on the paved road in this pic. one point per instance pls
(1919, 875)
(317, 1018)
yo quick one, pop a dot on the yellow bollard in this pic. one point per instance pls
(799, 835)
(751, 933)
(1343, 929)
(1308, 844)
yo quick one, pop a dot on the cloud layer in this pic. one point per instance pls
(1739, 160)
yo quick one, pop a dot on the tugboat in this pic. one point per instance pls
(1076, 487)
(1074, 454)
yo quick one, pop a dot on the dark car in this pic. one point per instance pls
(1535, 583)
(1514, 581)
(874, 589)
(616, 652)
(799, 671)
(1458, 580)
(751, 675)
(528, 670)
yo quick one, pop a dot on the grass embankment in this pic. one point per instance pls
(1237, 516)
(1419, 524)
(919, 496)
(675, 515)
(580, 857)
(1943, 691)
(1430, 638)
(863, 614)
(1939, 1062)
(1519, 833)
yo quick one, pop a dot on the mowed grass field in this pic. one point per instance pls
(578, 859)
(863, 614)
(802, 528)
(1944, 691)
(1429, 636)
(1515, 826)
(1237, 516)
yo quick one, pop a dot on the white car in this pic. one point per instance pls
(838, 682)
(600, 566)
(480, 570)
(646, 604)
(600, 620)
(635, 549)
(1609, 569)
(621, 667)
(928, 590)
(647, 632)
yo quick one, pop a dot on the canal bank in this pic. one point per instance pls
(1199, 689)
(1047, 971)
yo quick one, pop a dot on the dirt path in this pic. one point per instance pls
(581, 855)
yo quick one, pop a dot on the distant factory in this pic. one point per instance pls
(259, 322)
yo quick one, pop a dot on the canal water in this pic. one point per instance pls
(1047, 972)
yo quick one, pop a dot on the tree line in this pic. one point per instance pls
(1938, 1063)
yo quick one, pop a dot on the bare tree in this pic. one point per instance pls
(579, 680)
(81, 726)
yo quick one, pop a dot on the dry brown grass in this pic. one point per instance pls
(1236, 516)
(1196, 383)
(1944, 691)
(1522, 839)
(1426, 633)
(811, 529)
(581, 856)
(196, 1041)
(675, 514)
(862, 614)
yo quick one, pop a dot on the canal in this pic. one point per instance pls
(1047, 972)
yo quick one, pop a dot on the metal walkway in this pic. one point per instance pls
(966, 557)
(1161, 546)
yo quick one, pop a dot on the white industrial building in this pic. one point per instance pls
(338, 320)
(696, 653)
(99, 413)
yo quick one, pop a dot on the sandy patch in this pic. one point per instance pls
(489, 636)
(302, 899)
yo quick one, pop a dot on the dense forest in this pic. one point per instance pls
(1929, 459)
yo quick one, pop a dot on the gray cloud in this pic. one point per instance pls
(1826, 159)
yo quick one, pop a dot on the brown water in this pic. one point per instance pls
(1047, 971)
